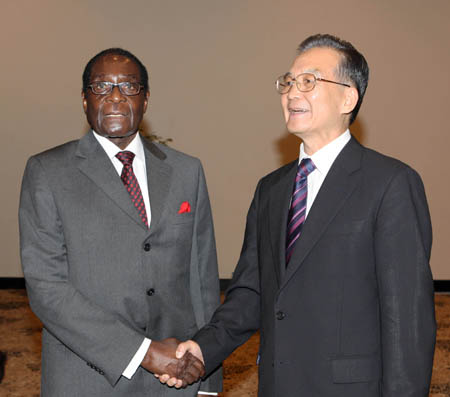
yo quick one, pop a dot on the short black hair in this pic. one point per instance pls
(353, 66)
(115, 51)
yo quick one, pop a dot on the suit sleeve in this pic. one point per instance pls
(205, 288)
(402, 249)
(99, 337)
(239, 316)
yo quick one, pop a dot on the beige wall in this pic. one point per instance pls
(212, 65)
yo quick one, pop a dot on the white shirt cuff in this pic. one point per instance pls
(137, 359)
(208, 393)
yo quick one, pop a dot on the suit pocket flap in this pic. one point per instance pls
(183, 218)
(356, 369)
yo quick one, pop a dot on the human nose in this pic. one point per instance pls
(293, 92)
(116, 95)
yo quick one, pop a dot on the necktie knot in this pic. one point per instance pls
(126, 157)
(305, 167)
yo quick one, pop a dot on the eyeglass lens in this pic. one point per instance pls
(105, 87)
(304, 81)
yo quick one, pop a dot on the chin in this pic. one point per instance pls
(117, 133)
(295, 129)
(108, 134)
(123, 130)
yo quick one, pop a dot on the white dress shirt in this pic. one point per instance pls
(323, 159)
(139, 168)
(140, 171)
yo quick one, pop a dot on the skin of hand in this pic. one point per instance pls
(161, 359)
(188, 347)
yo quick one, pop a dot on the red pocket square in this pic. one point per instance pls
(184, 207)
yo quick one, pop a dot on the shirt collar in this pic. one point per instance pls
(323, 159)
(135, 146)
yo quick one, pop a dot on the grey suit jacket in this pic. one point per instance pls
(353, 314)
(99, 280)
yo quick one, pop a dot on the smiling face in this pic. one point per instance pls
(322, 114)
(115, 116)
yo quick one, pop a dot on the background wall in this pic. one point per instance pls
(212, 66)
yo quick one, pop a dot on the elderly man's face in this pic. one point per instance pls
(115, 114)
(319, 112)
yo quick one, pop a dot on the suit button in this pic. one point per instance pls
(280, 315)
(151, 292)
(147, 247)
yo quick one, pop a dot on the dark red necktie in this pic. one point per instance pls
(131, 183)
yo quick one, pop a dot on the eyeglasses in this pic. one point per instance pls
(305, 82)
(105, 87)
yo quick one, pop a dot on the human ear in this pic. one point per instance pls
(147, 95)
(350, 99)
(83, 97)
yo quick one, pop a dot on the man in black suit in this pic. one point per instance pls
(343, 299)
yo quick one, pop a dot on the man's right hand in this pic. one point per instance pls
(183, 350)
(182, 369)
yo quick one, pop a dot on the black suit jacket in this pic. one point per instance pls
(353, 315)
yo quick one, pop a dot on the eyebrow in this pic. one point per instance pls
(313, 71)
(103, 75)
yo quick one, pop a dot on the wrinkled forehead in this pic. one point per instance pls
(319, 61)
(115, 65)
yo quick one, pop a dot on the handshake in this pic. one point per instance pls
(175, 363)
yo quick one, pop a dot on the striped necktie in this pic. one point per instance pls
(297, 210)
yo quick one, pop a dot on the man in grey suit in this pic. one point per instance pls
(117, 248)
(343, 299)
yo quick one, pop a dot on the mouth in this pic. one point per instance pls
(115, 115)
(295, 111)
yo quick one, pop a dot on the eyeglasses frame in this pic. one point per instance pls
(112, 85)
(315, 80)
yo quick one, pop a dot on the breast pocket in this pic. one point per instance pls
(348, 227)
(185, 218)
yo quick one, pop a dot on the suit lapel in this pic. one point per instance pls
(95, 164)
(338, 185)
(280, 196)
(159, 176)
